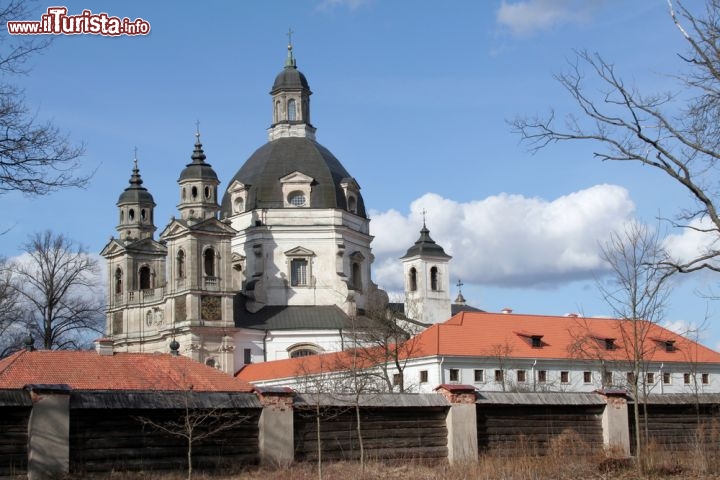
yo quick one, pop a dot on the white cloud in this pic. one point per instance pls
(506, 240)
(527, 17)
(691, 242)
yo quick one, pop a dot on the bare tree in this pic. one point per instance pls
(9, 313)
(35, 157)
(502, 352)
(629, 126)
(637, 294)
(387, 342)
(57, 285)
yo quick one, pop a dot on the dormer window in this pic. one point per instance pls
(670, 345)
(296, 188)
(609, 344)
(536, 341)
(533, 339)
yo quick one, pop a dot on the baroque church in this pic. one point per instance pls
(277, 265)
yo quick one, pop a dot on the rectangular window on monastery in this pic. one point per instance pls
(499, 376)
(298, 272)
(666, 378)
(686, 378)
(247, 356)
(564, 377)
(542, 376)
(705, 378)
(521, 376)
(650, 377)
(423, 376)
(587, 377)
(630, 377)
(454, 375)
(397, 377)
(479, 376)
(607, 378)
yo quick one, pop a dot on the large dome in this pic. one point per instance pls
(262, 172)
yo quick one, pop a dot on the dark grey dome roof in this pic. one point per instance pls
(135, 193)
(198, 169)
(262, 172)
(426, 246)
(290, 79)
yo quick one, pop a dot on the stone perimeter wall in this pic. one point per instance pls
(49, 435)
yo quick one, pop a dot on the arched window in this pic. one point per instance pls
(143, 215)
(356, 276)
(303, 350)
(194, 192)
(122, 216)
(434, 279)
(412, 280)
(277, 111)
(352, 204)
(183, 193)
(210, 362)
(292, 113)
(181, 264)
(209, 262)
(145, 278)
(239, 205)
(131, 215)
(118, 281)
(207, 193)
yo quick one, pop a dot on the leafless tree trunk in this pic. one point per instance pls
(637, 293)
(57, 285)
(629, 126)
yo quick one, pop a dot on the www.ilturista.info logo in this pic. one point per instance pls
(57, 22)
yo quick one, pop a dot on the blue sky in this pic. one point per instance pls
(412, 97)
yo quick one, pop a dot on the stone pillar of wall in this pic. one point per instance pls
(461, 422)
(616, 429)
(276, 439)
(49, 432)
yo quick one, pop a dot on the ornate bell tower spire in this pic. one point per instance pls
(198, 186)
(136, 208)
(291, 101)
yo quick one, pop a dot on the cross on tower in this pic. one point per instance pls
(197, 129)
(459, 284)
(289, 35)
(135, 161)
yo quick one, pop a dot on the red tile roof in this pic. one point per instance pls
(482, 334)
(87, 370)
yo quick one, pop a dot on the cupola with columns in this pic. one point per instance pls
(198, 187)
(135, 206)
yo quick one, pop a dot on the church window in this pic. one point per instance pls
(297, 198)
(122, 216)
(209, 262)
(207, 193)
(118, 281)
(181, 264)
(145, 278)
(303, 350)
(131, 214)
(352, 204)
(298, 272)
(277, 111)
(434, 279)
(412, 280)
(143, 214)
(291, 110)
(356, 276)
(194, 192)
(210, 362)
(239, 205)
(184, 193)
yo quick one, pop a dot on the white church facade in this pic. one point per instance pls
(276, 265)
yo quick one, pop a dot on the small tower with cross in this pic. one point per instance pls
(427, 280)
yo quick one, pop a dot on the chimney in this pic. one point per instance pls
(572, 315)
(506, 311)
(104, 346)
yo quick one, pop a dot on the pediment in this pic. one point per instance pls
(350, 184)
(213, 225)
(174, 228)
(113, 247)
(147, 245)
(297, 177)
(299, 252)
(237, 186)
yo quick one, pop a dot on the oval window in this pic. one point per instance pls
(297, 198)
